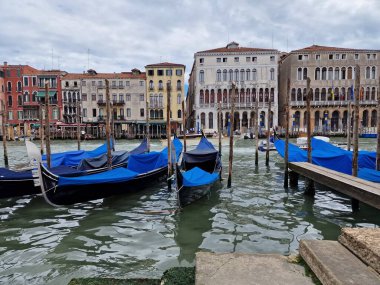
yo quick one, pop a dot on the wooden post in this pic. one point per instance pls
(349, 124)
(3, 127)
(108, 125)
(112, 125)
(168, 133)
(268, 132)
(41, 129)
(378, 129)
(78, 123)
(220, 127)
(232, 118)
(354, 202)
(310, 189)
(184, 125)
(257, 127)
(147, 125)
(286, 175)
(47, 125)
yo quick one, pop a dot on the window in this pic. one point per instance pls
(114, 97)
(10, 101)
(121, 97)
(19, 87)
(151, 85)
(324, 73)
(160, 85)
(318, 57)
(225, 75)
(248, 74)
(34, 96)
(219, 75)
(83, 83)
(121, 84)
(26, 97)
(26, 81)
(368, 56)
(218, 59)
(179, 99)
(300, 57)
(236, 59)
(374, 56)
(18, 73)
(55, 114)
(179, 114)
(373, 73)
(248, 59)
(330, 73)
(34, 81)
(19, 100)
(299, 73)
(201, 60)
(178, 72)
(84, 112)
(343, 73)
(169, 72)
(84, 97)
(141, 112)
(141, 97)
(10, 115)
(201, 76)
(272, 58)
(128, 112)
(93, 97)
(94, 113)
(242, 75)
(331, 56)
(336, 73)
(306, 57)
(160, 72)
(337, 56)
(179, 85)
(224, 59)
(254, 75)
(272, 73)
(368, 72)
(151, 72)
(127, 83)
(236, 75)
(127, 97)
(356, 56)
(100, 83)
(231, 75)
(113, 83)
(19, 115)
(66, 83)
(93, 83)
(254, 59)
(344, 56)
(9, 86)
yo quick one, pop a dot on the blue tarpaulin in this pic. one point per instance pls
(7, 174)
(198, 177)
(369, 174)
(116, 175)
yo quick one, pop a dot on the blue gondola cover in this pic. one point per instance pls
(7, 174)
(198, 177)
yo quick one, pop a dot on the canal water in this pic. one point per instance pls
(143, 234)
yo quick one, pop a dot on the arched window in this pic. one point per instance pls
(201, 76)
(242, 74)
(219, 75)
(161, 113)
(203, 120)
(212, 96)
(248, 74)
(225, 75)
(299, 73)
(324, 71)
(349, 73)
(330, 73)
(19, 86)
(299, 94)
(317, 73)
(272, 73)
(323, 94)
(367, 93)
(160, 85)
(9, 86)
(210, 120)
(179, 114)
(316, 94)
(19, 100)
(179, 85)
(151, 85)
(231, 75)
(374, 118)
(254, 75)
(151, 114)
(160, 99)
(236, 75)
(26, 97)
(343, 73)
(373, 72)
(293, 95)
(179, 99)
(201, 97)
(207, 97)
(373, 94)
(367, 72)
(34, 96)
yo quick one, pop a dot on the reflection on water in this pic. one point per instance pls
(143, 233)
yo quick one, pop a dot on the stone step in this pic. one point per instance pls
(239, 268)
(334, 264)
(364, 243)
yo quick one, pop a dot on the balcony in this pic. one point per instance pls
(101, 102)
(120, 118)
(118, 102)
(337, 103)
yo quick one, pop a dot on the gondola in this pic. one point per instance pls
(201, 169)
(20, 183)
(142, 169)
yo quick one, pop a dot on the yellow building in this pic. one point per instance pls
(157, 77)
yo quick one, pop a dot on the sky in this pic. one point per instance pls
(119, 35)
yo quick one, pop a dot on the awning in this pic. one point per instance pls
(42, 94)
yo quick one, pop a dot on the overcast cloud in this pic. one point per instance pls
(124, 34)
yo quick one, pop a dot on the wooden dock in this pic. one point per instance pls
(359, 189)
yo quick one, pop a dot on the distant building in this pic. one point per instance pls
(255, 73)
(157, 77)
(2, 100)
(332, 74)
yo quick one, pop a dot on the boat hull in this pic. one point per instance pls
(14, 188)
(188, 195)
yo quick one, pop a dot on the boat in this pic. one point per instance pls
(263, 145)
(201, 169)
(15, 183)
(368, 135)
(248, 136)
(142, 169)
(302, 141)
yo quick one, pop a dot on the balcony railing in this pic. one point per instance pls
(118, 102)
(156, 118)
(241, 105)
(337, 103)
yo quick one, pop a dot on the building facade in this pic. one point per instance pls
(254, 72)
(2, 101)
(157, 77)
(332, 74)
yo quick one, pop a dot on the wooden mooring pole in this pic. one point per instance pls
(168, 133)
(354, 202)
(257, 128)
(349, 124)
(310, 189)
(232, 119)
(108, 125)
(47, 125)
(78, 123)
(41, 129)
(3, 129)
(184, 125)
(268, 132)
(220, 127)
(378, 129)
(286, 175)
(147, 125)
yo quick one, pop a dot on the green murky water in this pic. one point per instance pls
(143, 235)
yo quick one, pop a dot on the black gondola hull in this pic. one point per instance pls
(14, 188)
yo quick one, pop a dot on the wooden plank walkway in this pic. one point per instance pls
(362, 190)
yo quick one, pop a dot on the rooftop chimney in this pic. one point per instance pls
(5, 63)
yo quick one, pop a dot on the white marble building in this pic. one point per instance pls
(255, 73)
